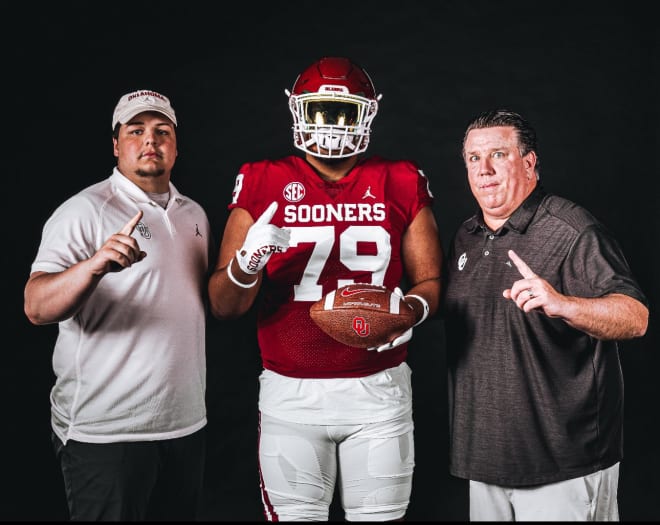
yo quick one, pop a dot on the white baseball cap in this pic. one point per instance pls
(142, 100)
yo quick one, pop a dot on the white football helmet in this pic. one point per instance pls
(333, 103)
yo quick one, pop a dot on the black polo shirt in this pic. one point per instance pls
(532, 400)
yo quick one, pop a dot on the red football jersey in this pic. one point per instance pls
(341, 232)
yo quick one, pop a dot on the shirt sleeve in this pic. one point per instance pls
(596, 266)
(68, 237)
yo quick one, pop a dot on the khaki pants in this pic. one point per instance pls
(588, 498)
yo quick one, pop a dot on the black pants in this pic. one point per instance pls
(133, 481)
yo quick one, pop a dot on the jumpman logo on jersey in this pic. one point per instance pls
(368, 194)
(197, 234)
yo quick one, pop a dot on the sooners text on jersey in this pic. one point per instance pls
(341, 232)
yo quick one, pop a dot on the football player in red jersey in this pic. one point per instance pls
(300, 227)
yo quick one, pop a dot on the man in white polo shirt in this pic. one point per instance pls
(122, 269)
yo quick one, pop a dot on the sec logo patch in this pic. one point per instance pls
(294, 192)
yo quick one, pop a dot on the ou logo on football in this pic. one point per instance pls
(294, 191)
(360, 326)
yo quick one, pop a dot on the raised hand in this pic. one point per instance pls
(262, 240)
(532, 292)
(120, 251)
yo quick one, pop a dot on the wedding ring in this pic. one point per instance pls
(530, 293)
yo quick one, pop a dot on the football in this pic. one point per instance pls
(362, 315)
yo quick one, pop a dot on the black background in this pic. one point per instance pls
(582, 73)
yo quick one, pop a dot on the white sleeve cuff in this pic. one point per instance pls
(424, 304)
(236, 281)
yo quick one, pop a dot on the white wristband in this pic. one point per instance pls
(424, 304)
(236, 281)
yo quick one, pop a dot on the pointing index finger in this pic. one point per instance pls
(267, 215)
(130, 225)
(524, 270)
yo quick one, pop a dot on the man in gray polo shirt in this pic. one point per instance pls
(537, 294)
